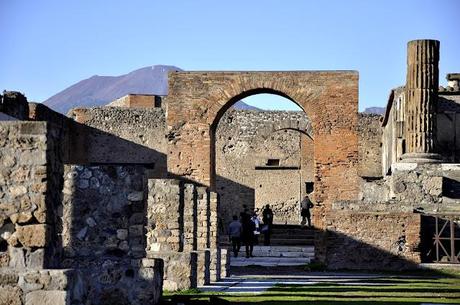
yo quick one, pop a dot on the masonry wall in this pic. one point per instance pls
(38, 233)
(370, 145)
(245, 141)
(114, 135)
(369, 240)
(197, 100)
(104, 214)
(31, 172)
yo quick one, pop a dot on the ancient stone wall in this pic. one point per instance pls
(30, 175)
(113, 135)
(370, 145)
(14, 105)
(35, 225)
(182, 230)
(103, 214)
(197, 100)
(245, 142)
(369, 240)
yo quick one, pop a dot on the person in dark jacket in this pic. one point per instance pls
(267, 218)
(234, 231)
(305, 206)
(247, 234)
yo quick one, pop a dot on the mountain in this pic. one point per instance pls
(375, 110)
(101, 90)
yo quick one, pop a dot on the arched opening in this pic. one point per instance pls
(261, 156)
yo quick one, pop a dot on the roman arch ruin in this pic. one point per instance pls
(197, 101)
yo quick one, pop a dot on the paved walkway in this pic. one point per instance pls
(259, 284)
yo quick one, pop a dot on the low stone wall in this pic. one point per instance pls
(366, 240)
(41, 287)
(105, 285)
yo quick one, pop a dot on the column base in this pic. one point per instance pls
(421, 158)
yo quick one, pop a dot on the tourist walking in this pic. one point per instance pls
(305, 206)
(256, 220)
(234, 231)
(247, 235)
(267, 218)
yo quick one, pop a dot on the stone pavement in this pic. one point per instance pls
(274, 256)
(260, 283)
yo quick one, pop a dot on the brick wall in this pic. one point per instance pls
(197, 100)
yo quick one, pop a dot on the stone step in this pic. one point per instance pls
(279, 251)
(290, 242)
(268, 261)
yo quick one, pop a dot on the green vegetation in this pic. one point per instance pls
(391, 289)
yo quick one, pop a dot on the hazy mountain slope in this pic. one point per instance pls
(101, 90)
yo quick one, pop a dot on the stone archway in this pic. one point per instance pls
(197, 100)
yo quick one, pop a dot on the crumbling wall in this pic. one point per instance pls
(14, 105)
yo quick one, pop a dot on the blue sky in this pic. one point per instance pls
(47, 46)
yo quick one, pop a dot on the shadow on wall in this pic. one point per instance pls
(346, 252)
(105, 214)
(232, 197)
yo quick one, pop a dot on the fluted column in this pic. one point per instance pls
(421, 101)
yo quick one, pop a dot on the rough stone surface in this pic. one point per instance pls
(47, 298)
(10, 295)
(112, 228)
(33, 235)
(369, 145)
(372, 240)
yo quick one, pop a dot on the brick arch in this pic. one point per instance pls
(197, 100)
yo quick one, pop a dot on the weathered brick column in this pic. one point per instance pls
(169, 215)
(202, 233)
(216, 263)
(421, 101)
(190, 214)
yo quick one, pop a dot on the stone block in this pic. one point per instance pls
(50, 297)
(33, 235)
(10, 295)
(36, 259)
(16, 257)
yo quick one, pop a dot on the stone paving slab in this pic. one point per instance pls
(259, 284)
(269, 261)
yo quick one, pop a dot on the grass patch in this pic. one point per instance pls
(392, 289)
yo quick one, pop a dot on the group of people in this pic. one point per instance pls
(248, 227)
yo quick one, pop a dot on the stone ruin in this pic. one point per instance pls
(113, 205)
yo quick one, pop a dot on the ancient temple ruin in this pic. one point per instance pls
(117, 203)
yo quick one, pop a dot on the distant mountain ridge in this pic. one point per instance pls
(101, 90)
(375, 110)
